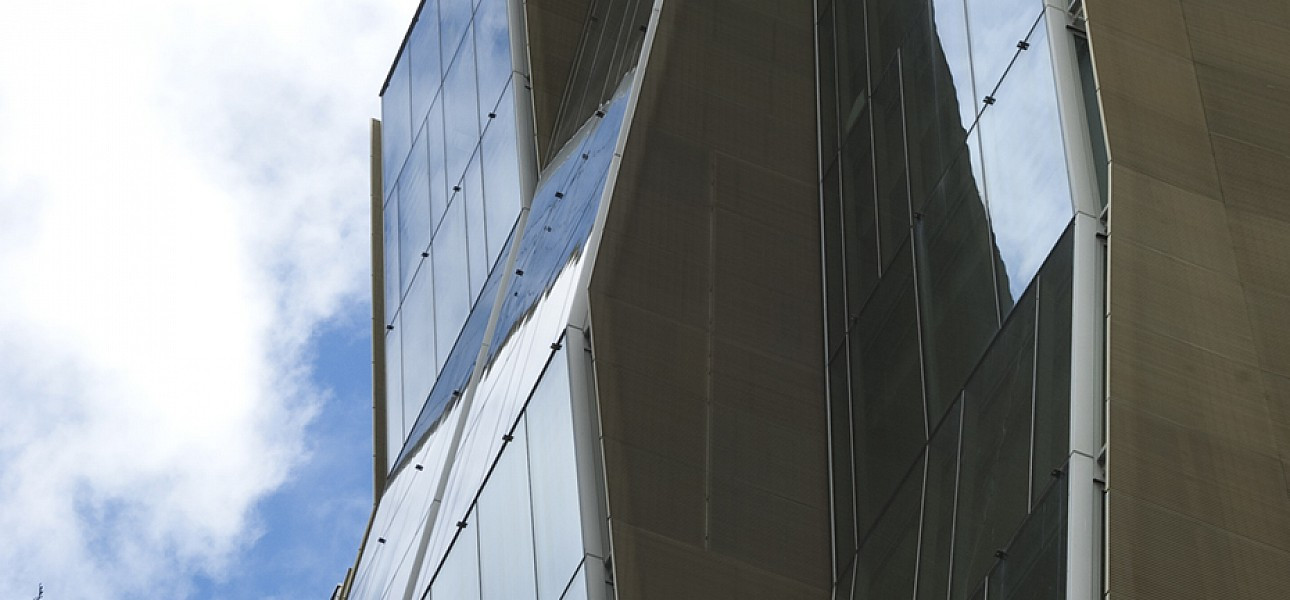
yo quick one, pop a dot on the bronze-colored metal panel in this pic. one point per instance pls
(647, 565)
(706, 290)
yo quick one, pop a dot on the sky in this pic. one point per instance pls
(184, 402)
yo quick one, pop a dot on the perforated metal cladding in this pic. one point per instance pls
(1196, 110)
(706, 320)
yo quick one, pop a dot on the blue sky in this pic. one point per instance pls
(183, 317)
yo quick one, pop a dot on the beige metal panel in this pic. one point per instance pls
(1254, 107)
(1191, 386)
(1142, 137)
(1256, 38)
(1163, 294)
(1219, 481)
(1160, 554)
(1199, 314)
(706, 320)
(1254, 178)
(1174, 221)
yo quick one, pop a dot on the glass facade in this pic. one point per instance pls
(509, 521)
(948, 264)
(450, 170)
(497, 512)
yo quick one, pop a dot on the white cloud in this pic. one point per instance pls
(182, 201)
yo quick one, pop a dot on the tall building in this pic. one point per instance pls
(951, 299)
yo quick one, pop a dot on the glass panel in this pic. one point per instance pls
(578, 586)
(390, 255)
(994, 471)
(828, 87)
(1025, 167)
(924, 129)
(439, 191)
(1053, 364)
(890, 552)
(1093, 112)
(938, 510)
(454, 16)
(396, 124)
(843, 492)
(1034, 567)
(834, 284)
(419, 364)
(427, 71)
(506, 525)
(414, 211)
(889, 23)
(501, 176)
(472, 194)
(950, 45)
(451, 281)
(493, 54)
(956, 283)
(889, 163)
(853, 63)
(859, 213)
(846, 581)
(995, 27)
(460, 112)
(887, 398)
(459, 577)
(557, 530)
(394, 425)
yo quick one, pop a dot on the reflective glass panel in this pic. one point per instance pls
(889, 163)
(1035, 565)
(454, 15)
(840, 428)
(460, 112)
(887, 390)
(506, 525)
(396, 124)
(394, 426)
(994, 468)
(853, 62)
(938, 508)
(1053, 364)
(451, 280)
(414, 211)
(501, 176)
(419, 364)
(427, 71)
(493, 54)
(439, 185)
(956, 283)
(950, 48)
(472, 194)
(1025, 166)
(828, 87)
(860, 214)
(557, 530)
(459, 577)
(889, 23)
(834, 283)
(890, 550)
(390, 255)
(995, 27)
(578, 586)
